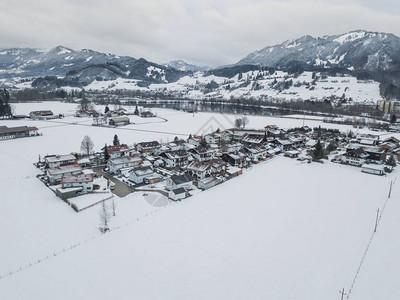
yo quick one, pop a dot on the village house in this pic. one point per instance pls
(231, 147)
(176, 145)
(237, 159)
(8, 133)
(41, 114)
(184, 181)
(255, 153)
(138, 175)
(84, 181)
(177, 194)
(86, 113)
(195, 140)
(146, 114)
(120, 151)
(202, 153)
(119, 121)
(178, 158)
(354, 156)
(55, 161)
(212, 138)
(55, 174)
(200, 170)
(284, 145)
(116, 164)
(149, 148)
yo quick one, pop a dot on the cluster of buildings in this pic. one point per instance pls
(201, 162)
(72, 175)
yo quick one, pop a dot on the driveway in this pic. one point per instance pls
(120, 188)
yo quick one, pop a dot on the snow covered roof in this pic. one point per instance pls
(77, 178)
(142, 171)
(64, 169)
(60, 158)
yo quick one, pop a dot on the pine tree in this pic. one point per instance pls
(116, 140)
(136, 111)
(106, 155)
(393, 119)
(391, 161)
(318, 151)
(106, 109)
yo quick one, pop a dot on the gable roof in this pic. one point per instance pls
(179, 179)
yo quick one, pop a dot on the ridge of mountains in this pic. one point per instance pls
(360, 53)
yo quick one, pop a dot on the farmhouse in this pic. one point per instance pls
(8, 133)
(55, 161)
(41, 114)
(119, 121)
(55, 174)
(235, 159)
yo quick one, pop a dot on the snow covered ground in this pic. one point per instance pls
(282, 230)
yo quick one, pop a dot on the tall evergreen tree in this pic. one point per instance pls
(116, 140)
(391, 161)
(136, 111)
(318, 151)
(106, 154)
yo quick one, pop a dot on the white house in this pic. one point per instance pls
(55, 174)
(207, 183)
(138, 175)
(174, 159)
(120, 151)
(149, 148)
(202, 153)
(55, 161)
(85, 181)
(177, 194)
(180, 181)
(114, 165)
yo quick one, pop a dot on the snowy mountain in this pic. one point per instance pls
(184, 66)
(78, 68)
(356, 50)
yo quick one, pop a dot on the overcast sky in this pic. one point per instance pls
(207, 32)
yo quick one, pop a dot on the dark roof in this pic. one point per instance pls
(42, 112)
(178, 179)
(179, 191)
(5, 129)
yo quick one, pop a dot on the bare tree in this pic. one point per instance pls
(85, 104)
(245, 121)
(113, 207)
(87, 145)
(105, 216)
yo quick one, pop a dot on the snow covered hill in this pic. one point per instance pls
(259, 85)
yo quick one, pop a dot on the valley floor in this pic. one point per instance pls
(283, 230)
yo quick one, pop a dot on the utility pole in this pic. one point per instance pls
(376, 221)
(390, 189)
(342, 294)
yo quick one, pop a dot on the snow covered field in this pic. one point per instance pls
(283, 230)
